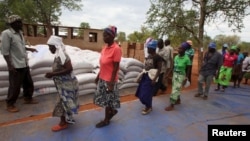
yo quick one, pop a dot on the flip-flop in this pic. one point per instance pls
(59, 127)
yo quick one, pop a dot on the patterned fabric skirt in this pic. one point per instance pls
(224, 76)
(177, 81)
(67, 103)
(103, 98)
(238, 70)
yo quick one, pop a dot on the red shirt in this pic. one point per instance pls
(229, 60)
(109, 55)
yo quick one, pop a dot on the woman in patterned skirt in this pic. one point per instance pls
(182, 67)
(226, 70)
(65, 82)
(107, 93)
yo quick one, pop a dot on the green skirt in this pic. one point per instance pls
(224, 76)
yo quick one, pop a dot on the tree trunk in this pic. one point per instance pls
(201, 32)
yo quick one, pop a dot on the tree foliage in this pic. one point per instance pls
(230, 40)
(83, 25)
(141, 36)
(38, 11)
(121, 37)
(186, 18)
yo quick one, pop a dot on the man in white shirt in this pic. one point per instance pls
(164, 54)
(170, 61)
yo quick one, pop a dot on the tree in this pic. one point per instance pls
(39, 11)
(245, 47)
(141, 36)
(121, 37)
(83, 25)
(230, 40)
(188, 17)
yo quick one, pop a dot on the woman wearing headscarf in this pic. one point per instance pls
(225, 72)
(65, 82)
(146, 84)
(182, 63)
(107, 93)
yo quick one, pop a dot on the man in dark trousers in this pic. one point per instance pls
(14, 51)
(212, 62)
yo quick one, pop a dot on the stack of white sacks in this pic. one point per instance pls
(129, 70)
(4, 78)
(85, 67)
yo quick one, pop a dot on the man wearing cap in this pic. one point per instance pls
(14, 51)
(212, 62)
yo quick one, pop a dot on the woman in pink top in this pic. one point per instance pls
(107, 94)
(229, 62)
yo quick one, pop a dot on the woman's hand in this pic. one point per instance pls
(49, 74)
(96, 80)
(184, 81)
(32, 49)
(110, 86)
(153, 82)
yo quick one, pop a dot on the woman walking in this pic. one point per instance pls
(65, 82)
(147, 83)
(182, 64)
(225, 72)
(107, 93)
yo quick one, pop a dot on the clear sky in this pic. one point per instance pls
(129, 16)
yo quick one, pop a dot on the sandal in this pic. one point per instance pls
(59, 127)
(102, 124)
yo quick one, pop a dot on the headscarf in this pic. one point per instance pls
(212, 45)
(185, 45)
(225, 45)
(190, 42)
(233, 48)
(60, 48)
(111, 30)
(148, 40)
(13, 18)
(152, 44)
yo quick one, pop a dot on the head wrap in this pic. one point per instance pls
(185, 45)
(152, 44)
(148, 40)
(112, 30)
(212, 45)
(190, 42)
(14, 18)
(60, 48)
(234, 48)
(225, 45)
